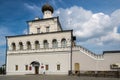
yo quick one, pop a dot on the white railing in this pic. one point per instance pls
(90, 53)
(39, 50)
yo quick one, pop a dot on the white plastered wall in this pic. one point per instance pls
(42, 24)
(51, 59)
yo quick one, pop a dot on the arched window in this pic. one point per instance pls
(37, 45)
(54, 43)
(13, 46)
(28, 45)
(20, 45)
(63, 43)
(45, 43)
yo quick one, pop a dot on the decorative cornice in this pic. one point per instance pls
(41, 19)
(39, 33)
(33, 53)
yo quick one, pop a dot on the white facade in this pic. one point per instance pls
(92, 62)
(51, 59)
(51, 55)
(47, 14)
(43, 26)
(47, 48)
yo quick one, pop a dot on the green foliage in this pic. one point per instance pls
(2, 69)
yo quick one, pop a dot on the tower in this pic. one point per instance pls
(47, 11)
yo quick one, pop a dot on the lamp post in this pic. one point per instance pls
(71, 51)
(70, 73)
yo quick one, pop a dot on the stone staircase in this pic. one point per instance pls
(89, 53)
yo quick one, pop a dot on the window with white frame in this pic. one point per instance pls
(37, 45)
(28, 45)
(46, 67)
(58, 66)
(20, 45)
(54, 43)
(47, 29)
(26, 67)
(16, 67)
(63, 43)
(13, 46)
(38, 30)
(45, 43)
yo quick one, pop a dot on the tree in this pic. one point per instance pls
(2, 69)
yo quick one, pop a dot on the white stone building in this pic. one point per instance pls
(50, 49)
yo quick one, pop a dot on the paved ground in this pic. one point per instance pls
(51, 77)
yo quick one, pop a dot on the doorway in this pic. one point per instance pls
(36, 69)
(77, 67)
(36, 65)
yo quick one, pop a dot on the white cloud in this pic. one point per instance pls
(33, 8)
(54, 2)
(96, 28)
(115, 17)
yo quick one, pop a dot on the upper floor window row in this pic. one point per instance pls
(38, 30)
(13, 46)
(47, 29)
(37, 44)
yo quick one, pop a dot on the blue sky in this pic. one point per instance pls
(96, 23)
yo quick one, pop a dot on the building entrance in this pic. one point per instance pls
(36, 65)
(36, 69)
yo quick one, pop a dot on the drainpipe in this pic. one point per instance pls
(71, 52)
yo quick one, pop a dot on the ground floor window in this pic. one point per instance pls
(30, 67)
(47, 67)
(26, 67)
(16, 67)
(58, 67)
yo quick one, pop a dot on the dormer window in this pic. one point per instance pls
(47, 29)
(38, 30)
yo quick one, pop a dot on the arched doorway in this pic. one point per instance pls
(77, 67)
(36, 65)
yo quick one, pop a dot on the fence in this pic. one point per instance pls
(115, 74)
